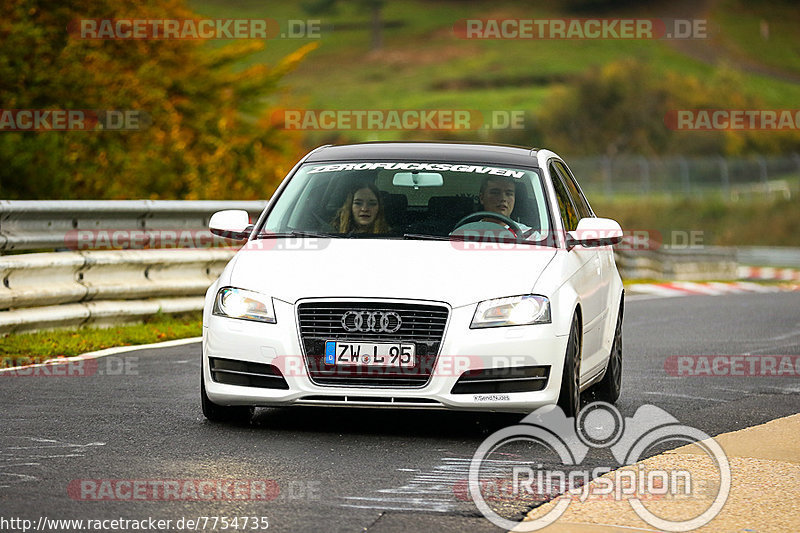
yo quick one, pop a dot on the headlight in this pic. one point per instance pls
(244, 304)
(512, 311)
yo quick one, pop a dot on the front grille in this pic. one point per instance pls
(421, 324)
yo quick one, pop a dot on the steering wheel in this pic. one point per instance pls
(513, 226)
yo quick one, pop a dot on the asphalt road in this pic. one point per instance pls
(138, 418)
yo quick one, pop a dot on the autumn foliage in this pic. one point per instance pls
(620, 108)
(208, 136)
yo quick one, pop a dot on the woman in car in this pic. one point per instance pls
(362, 211)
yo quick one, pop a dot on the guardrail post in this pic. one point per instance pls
(762, 173)
(724, 176)
(684, 166)
(644, 163)
(607, 175)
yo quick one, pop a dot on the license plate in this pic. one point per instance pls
(369, 354)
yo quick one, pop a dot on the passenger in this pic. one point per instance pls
(362, 211)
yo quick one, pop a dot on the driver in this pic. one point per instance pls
(498, 194)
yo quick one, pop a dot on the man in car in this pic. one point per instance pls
(498, 195)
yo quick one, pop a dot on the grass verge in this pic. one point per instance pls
(714, 221)
(40, 346)
(424, 65)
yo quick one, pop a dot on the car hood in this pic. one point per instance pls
(388, 268)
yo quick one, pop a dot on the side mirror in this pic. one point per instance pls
(231, 224)
(595, 232)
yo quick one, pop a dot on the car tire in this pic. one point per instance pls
(235, 414)
(569, 398)
(608, 389)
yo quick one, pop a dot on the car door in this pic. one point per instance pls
(587, 280)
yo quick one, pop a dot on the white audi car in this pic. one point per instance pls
(416, 275)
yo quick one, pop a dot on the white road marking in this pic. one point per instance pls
(22, 454)
(688, 396)
(108, 351)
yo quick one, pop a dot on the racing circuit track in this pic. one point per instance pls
(348, 469)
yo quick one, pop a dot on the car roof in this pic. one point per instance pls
(427, 151)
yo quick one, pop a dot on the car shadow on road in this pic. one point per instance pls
(390, 422)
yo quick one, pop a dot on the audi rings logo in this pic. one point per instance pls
(371, 321)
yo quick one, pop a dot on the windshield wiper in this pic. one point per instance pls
(452, 237)
(426, 237)
(296, 233)
(462, 237)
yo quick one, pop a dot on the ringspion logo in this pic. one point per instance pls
(598, 426)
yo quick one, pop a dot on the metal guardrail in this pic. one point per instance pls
(74, 286)
(67, 289)
(771, 256)
(692, 264)
(768, 176)
(53, 224)
(70, 289)
(102, 287)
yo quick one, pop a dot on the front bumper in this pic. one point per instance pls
(462, 349)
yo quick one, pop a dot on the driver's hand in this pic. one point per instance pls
(500, 223)
(496, 221)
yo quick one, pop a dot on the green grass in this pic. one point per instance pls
(740, 32)
(424, 66)
(17, 348)
(722, 223)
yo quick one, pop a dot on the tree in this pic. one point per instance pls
(203, 140)
(620, 108)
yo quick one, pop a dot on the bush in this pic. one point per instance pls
(620, 108)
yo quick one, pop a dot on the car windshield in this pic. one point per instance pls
(411, 200)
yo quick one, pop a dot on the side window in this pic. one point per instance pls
(568, 213)
(580, 201)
